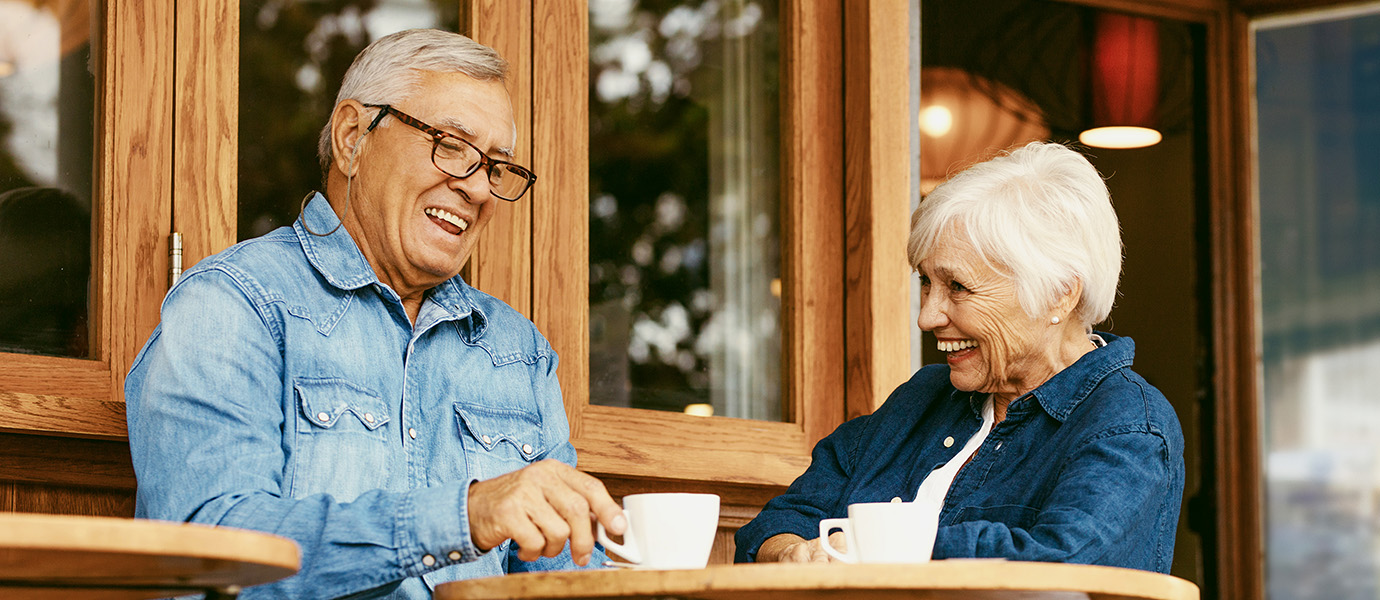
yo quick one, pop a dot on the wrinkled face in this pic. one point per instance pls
(991, 344)
(415, 224)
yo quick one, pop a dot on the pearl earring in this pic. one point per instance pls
(1054, 321)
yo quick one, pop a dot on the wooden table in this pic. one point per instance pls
(50, 557)
(939, 580)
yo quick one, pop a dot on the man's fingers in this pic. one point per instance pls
(597, 500)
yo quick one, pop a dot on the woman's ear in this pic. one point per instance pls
(1067, 302)
(348, 127)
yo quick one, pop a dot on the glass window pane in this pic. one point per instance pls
(47, 126)
(293, 54)
(685, 292)
(1318, 127)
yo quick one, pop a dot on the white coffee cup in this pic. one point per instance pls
(883, 532)
(667, 531)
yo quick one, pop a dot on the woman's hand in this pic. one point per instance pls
(788, 547)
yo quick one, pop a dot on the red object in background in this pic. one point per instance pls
(1125, 70)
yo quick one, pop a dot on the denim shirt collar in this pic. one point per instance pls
(338, 259)
(1068, 388)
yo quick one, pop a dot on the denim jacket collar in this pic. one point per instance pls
(1068, 388)
(338, 259)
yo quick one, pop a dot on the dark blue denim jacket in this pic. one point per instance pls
(286, 391)
(1087, 468)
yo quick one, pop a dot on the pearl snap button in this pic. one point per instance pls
(412, 433)
(369, 417)
(526, 448)
(487, 440)
(454, 555)
(322, 416)
(428, 560)
(948, 441)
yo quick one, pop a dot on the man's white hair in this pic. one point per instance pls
(1042, 215)
(388, 70)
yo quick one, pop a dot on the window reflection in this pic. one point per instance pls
(684, 209)
(293, 54)
(1318, 98)
(47, 108)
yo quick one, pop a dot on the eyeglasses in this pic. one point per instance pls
(458, 158)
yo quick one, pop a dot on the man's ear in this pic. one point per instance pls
(348, 126)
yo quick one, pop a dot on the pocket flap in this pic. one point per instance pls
(325, 401)
(491, 426)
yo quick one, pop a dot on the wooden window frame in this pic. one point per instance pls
(167, 96)
(844, 226)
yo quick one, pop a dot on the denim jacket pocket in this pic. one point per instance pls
(498, 440)
(339, 405)
(342, 442)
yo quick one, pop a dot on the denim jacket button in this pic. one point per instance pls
(428, 560)
(454, 555)
(526, 448)
(369, 418)
(949, 441)
(412, 432)
(323, 417)
(486, 439)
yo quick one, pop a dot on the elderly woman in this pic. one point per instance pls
(1035, 441)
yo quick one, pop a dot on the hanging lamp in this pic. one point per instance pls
(1124, 82)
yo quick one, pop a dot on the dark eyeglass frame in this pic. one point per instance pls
(437, 135)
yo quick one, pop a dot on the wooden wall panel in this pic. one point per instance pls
(877, 107)
(206, 97)
(501, 264)
(812, 217)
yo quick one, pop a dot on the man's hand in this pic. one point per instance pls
(788, 547)
(540, 507)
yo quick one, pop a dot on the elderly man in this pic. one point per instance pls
(336, 382)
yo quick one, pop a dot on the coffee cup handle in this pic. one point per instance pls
(828, 525)
(628, 549)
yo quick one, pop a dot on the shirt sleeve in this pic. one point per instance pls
(813, 496)
(206, 432)
(1114, 481)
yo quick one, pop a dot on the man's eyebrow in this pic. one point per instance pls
(457, 125)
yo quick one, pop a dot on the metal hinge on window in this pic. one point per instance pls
(174, 258)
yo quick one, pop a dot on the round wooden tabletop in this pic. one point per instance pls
(939, 580)
(52, 556)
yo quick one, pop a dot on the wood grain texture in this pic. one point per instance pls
(501, 264)
(65, 461)
(20, 496)
(812, 231)
(94, 551)
(136, 150)
(1239, 509)
(206, 97)
(560, 202)
(939, 580)
(877, 106)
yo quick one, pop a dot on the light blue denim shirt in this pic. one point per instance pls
(286, 391)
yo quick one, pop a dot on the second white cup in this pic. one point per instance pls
(667, 531)
(882, 532)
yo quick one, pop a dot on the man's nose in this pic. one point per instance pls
(475, 187)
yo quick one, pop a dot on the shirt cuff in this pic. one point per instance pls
(441, 536)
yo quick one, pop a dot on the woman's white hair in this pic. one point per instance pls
(1040, 214)
(388, 70)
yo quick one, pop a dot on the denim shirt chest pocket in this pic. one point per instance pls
(497, 440)
(342, 439)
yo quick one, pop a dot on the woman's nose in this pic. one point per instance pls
(931, 314)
